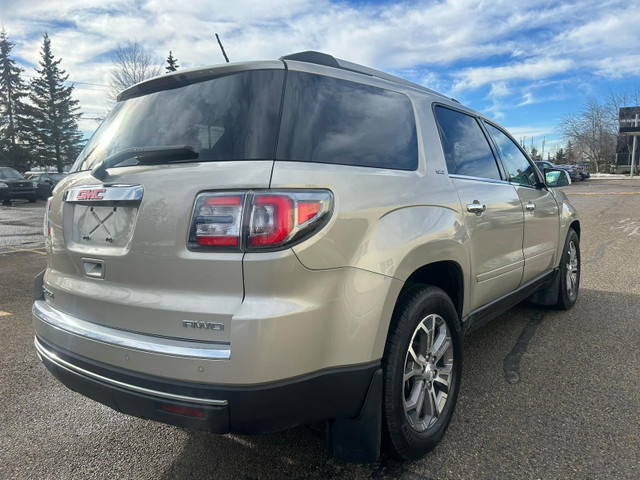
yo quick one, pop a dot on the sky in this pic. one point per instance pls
(525, 64)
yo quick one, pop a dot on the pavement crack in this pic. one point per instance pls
(511, 363)
(600, 251)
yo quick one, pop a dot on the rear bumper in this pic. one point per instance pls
(329, 394)
(291, 322)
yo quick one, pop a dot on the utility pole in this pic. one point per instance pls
(633, 154)
(542, 153)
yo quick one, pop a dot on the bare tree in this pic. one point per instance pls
(592, 133)
(624, 98)
(131, 64)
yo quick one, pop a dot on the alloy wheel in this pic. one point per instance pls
(572, 269)
(427, 373)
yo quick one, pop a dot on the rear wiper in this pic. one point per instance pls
(159, 154)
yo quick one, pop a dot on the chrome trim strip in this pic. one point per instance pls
(124, 339)
(59, 362)
(479, 179)
(483, 277)
(105, 193)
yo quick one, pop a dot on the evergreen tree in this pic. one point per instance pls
(55, 113)
(15, 119)
(172, 63)
(561, 158)
(535, 156)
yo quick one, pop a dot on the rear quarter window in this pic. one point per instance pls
(329, 120)
(466, 149)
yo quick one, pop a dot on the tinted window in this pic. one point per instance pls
(518, 167)
(233, 117)
(466, 149)
(329, 120)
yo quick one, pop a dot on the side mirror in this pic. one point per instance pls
(556, 177)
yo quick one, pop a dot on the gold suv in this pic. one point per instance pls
(253, 246)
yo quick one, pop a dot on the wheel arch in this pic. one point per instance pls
(575, 225)
(446, 275)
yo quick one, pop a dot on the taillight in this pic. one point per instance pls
(257, 220)
(217, 220)
(271, 219)
(47, 221)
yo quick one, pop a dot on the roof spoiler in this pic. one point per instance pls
(320, 58)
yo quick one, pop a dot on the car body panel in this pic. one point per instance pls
(152, 282)
(495, 238)
(541, 230)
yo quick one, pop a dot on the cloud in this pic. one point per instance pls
(527, 99)
(495, 51)
(499, 89)
(528, 70)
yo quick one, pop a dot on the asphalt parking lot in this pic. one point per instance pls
(544, 394)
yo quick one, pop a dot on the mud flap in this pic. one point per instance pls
(38, 293)
(548, 296)
(358, 439)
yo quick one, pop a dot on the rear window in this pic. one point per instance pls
(328, 120)
(232, 117)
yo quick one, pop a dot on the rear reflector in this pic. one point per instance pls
(187, 411)
(47, 218)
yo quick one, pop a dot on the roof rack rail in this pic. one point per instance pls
(320, 58)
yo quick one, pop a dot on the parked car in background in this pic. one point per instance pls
(14, 186)
(46, 182)
(570, 169)
(583, 170)
(309, 240)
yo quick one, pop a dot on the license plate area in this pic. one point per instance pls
(105, 226)
(102, 222)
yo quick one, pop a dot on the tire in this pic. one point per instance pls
(409, 432)
(32, 199)
(569, 272)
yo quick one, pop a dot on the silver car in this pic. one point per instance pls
(253, 246)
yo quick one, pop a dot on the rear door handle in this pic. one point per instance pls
(476, 207)
(530, 207)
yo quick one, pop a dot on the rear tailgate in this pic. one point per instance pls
(118, 251)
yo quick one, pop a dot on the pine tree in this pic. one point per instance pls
(172, 63)
(561, 158)
(535, 156)
(15, 118)
(55, 113)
